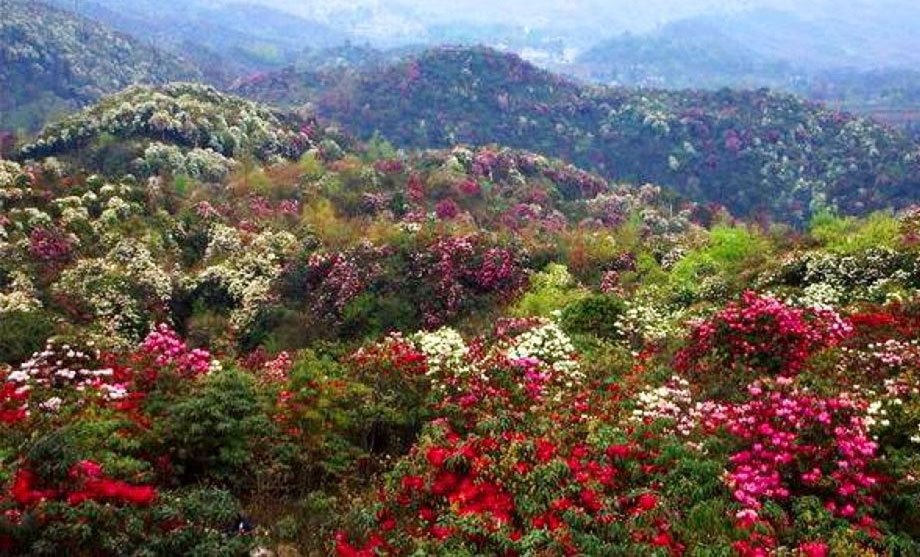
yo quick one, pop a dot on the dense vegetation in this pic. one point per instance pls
(226, 329)
(225, 41)
(757, 152)
(177, 127)
(54, 62)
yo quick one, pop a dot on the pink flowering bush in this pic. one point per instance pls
(167, 349)
(50, 244)
(458, 268)
(794, 444)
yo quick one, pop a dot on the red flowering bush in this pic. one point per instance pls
(92, 469)
(86, 482)
(509, 471)
(394, 409)
(758, 335)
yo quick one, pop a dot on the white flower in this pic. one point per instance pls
(53, 404)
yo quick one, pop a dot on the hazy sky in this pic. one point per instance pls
(381, 18)
(637, 14)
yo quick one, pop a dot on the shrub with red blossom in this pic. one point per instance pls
(13, 403)
(477, 493)
(86, 483)
(469, 187)
(758, 335)
(506, 472)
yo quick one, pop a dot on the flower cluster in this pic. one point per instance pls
(61, 374)
(87, 483)
(796, 444)
(50, 245)
(671, 402)
(547, 344)
(762, 335)
(168, 350)
(457, 268)
(338, 277)
(399, 356)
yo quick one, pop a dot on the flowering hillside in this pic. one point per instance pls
(225, 330)
(757, 152)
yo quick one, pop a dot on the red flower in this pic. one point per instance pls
(444, 483)
(561, 505)
(813, 549)
(590, 500)
(646, 502)
(619, 451)
(86, 469)
(440, 532)
(138, 494)
(23, 489)
(413, 483)
(436, 456)
(522, 468)
(545, 451)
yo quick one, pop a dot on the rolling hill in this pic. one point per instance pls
(225, 39)
(178, 128)
(55, 62)
(753, 151)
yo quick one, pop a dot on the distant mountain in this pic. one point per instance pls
(754, 151)
(682, 55)
(861, 35)
(227, 39)
(775, 50)
(316, 73)
(55, 62)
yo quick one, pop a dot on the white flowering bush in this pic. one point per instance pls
(19, 296)
(444, 349)
(549, 344)
(247, 278)
(120, 290)
(671, 403)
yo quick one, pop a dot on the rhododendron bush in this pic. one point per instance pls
(501, 468)
(759, 335)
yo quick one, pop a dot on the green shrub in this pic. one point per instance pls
(212, 433)
(595, 315)
(728, 251)
(847, 235)
(550, 290)
(22, 333)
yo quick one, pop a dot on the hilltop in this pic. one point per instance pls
(183, 127)
(226, 40)
(754, 151)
